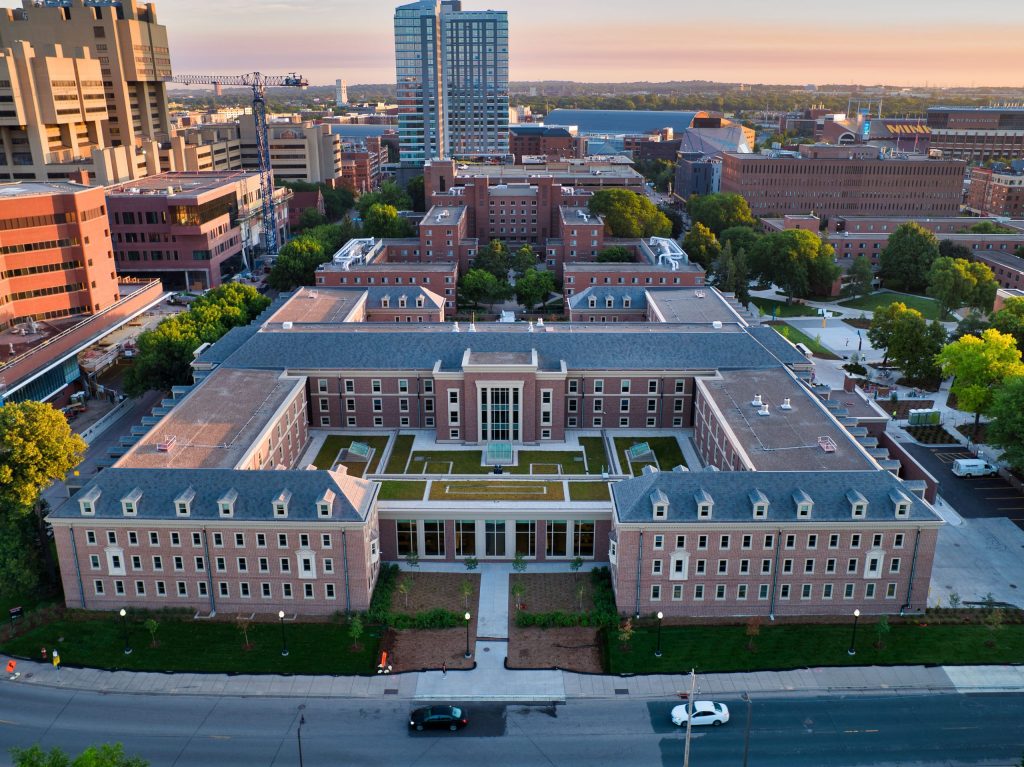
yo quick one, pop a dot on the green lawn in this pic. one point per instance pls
(793, 335)
(781, 309)
(186, 645)
(335, 442)
(400, 454)
(497, 490)
(393, 490)
(436, 462)
(596, 455)
(571, 461)
(875, 301)
(588, 491)
(667, 453)
(724, 648)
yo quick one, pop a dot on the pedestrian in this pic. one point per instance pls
(444, 668)
(45, 657)
(846, 341)
(56, 659)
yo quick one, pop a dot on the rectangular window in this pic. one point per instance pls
(805, 591)
(407, 538)
(746, 542)
(869, 591)
(557, 538)
(154, 539)
(677, 592)
(784, 591)
(720, 591)
(723, 566)
(702, 542)
(723, 543)
(826, 591)
(769, 541)
(655, 567)
(833, 541)
(890, 591)
(680, 541)
(698, 591)
(433, 538)
(787, 566)
(659, 542)
(762, 591)
(741, 591)
(286, 590)
(809, 566)
(526, 538)
(702, 567)
(851, 566)
(812, 541)
(848, 591)
(583, 538)
(894, 565)
(655, 592)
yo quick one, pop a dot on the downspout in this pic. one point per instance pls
(78, 566)
(913, 569)
(209, 571)
(639, 570)
(775, 575)
(344, 560)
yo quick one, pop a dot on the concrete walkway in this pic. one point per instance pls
(492, 612)
(490, 680)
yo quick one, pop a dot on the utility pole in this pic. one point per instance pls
(689, 716)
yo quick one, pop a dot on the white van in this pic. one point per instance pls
(973, 467)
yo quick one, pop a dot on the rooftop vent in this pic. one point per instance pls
(717, 324)
(757, 401)
(786, 404)
(287, 325)
(167, 445)
(763, 410)
(455, 329)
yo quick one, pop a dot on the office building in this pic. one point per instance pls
(452, 78)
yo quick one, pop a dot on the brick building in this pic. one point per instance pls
(540, 141)
(845, 181)
(978, 134)
(997, 192)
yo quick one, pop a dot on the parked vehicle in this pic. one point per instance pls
(974, 467)
(704, 712)
(438, 717)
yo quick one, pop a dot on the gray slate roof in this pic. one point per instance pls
(256, 491)
(731, 492)
(636, 294)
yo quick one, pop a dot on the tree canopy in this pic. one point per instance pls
(907, 258)
(37, 447)
(417, 193)
(296, 263)
(799, 262)
(382, 220)
(615, 254)
(730, 273)
(337, 202)
(861, 277)
(523, 260)
(910, 343)
(950, 249)
(1006, 429)
(720, 211)
(105, 755)
(534, 287)
(311, 217)
(979, 366)
(494, 258)
(1010, 319)
(701, 245)
(628, 214)
(659, 172)
(480, 286)
(956, 282)
(389, 193)
(740, 237)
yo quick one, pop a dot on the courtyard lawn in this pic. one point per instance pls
(875, 301)
(667, 454)
(394, 490)
(548, 462)
(596, 455)
(336, 442)
(724, 648)
(400, 454)
(497, 490)
(796, 336)
(97, 640)
(589, 491)
(448, 462)
(770, 306)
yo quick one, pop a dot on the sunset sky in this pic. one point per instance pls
(938, 42)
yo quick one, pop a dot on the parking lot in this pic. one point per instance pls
(972, 497)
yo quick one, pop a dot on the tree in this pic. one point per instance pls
(337, 202)
(37, 447)
(701, 245)
(494, 258)
(383, 221)
(730, 274)
(720, 211)
(389, 193)
(882, 332)
(660, 172)
(615, 254)
(950, 249)
(908, 256)
(990, 227)
(332, 237)
(534, 287)
(979, 366)
(1010, 319)
(151, 626)
(296, 263)
(1006, 429)
(626, 633)
(628, 214)
(882, 628)
(753, 630)
(518, 589)
(106, 755)
(311, 217)
(676, 218)
(467, 590)
(403, 589)
(575, 565)
(355, 631)
(954, 282)
(519, 562)
(19, 554)
(478, 286)
(798, 261)
(909, 342)
(523, 260)
(861, 276)
(244, 623)
(417, 193)
(740, 237)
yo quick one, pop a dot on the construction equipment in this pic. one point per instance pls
(68, 4)
(259, 84)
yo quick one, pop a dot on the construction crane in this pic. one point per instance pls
(68, 3)
(259, 84)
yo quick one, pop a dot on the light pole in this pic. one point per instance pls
(284, 639)
(467, 616)
(124, 625)
(853, 636)
(302, 721)
(746, 733)
(689, 716)
(657, 652)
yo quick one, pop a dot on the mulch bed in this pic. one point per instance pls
(551, 592)
(931, 435)
(967, 429)
(573, 649)
(430, 591)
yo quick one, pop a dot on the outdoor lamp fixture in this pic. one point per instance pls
(467, 616)
(657, 652)
(853, 636)
(124, 625)
(284, 639)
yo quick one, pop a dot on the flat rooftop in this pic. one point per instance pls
(444, 214)
(496, 173)
(183, 183)
(216, 424)
(319, 305)
(577, 215)
(31, 188)
(692, 306)
(626, 267)
(784, 440)
(443, 267)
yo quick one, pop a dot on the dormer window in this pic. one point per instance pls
(419, 302)
(858, 504)
(804, 504)
(626, 303)
(901, 504)
(183, 503)
(705, 504)
(759, 504)
(401, 302)
(324, 504)
(592, 302)
(281, 504)
(87, 503)
(609, 302)
(226, 503)
(130, 503)
(659, 504)
(385, 302)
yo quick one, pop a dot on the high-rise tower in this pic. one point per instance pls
(452, 75)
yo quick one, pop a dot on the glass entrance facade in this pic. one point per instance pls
(499, 414)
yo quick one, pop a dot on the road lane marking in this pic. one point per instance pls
(8, 721)
(219, 737)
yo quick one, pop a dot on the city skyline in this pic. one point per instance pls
(594, 43)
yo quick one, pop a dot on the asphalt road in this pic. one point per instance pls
(971, 497)
(949, 730)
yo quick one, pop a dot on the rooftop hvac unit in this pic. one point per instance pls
(763, 410)
(757, 401)
(786, 404)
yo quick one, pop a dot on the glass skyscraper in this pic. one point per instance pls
(452, 75)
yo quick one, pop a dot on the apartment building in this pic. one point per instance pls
(997, 192)
(299, 151)
(844, 181)
(536, 142)
(978, 134)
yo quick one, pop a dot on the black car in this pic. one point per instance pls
(438, 717)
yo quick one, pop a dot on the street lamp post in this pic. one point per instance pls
(853, 636)
(746, 732)
(284, 639)
(302, 721)
(467, 616)
(657, 652)
(124, 626)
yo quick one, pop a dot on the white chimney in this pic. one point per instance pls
(456, 328)
(531, 327)
(757, 401)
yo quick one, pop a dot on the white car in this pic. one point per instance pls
(704, 712)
